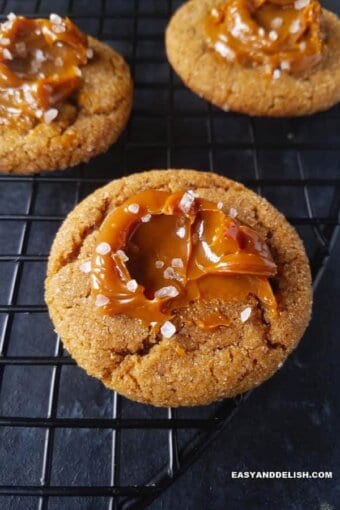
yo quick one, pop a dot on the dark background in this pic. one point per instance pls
(289, 423)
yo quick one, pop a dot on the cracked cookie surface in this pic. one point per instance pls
(195, 366)
(249, 90)
(86, 126)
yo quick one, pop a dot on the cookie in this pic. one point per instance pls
(248, 90)
(86, 126)
(194, 366)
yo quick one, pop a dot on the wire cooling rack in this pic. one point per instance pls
(64, 438)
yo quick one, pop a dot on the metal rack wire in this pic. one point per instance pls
(61, 433)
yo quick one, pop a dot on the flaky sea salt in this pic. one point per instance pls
(219, 205)
(177, 262)
(169, 291)
(103, 248)
(50, 115)
(7, 54)
(39, 55)
(133, 208)
(232, 212)
(181, 232)
(273, 35)
(101, 300)
(132, 285)
(122, 255)
(85, 267)
(245, 314)
(59, 28)
(159, 264)
(294, 27)
(285, 65)
(224, 50)
(170, 274)
(168, 329)
(89, 53)
(55, 18)
(146, 218)
(277, 22)
(186, 202)
(4, 41)
(276, 74)
(301, 4)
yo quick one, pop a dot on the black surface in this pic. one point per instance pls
(290, 423)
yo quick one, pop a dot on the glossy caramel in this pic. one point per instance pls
(173, 249)
(273, 34)
(40, 64)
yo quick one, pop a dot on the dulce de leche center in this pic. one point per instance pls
(159, 251)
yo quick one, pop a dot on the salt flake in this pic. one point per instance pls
(169, 291)
(50, 115)
(301, 4)
(132, 285)
(168, 329)
(103, 248)
(245, 314)
(133, 208)
(101, 300)
(85, 267)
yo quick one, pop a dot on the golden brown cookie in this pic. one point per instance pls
(86, 125)
(194, 366)
(244, 89)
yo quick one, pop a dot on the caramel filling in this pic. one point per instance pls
(40, 64)
(278, 35)
(158, 252)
